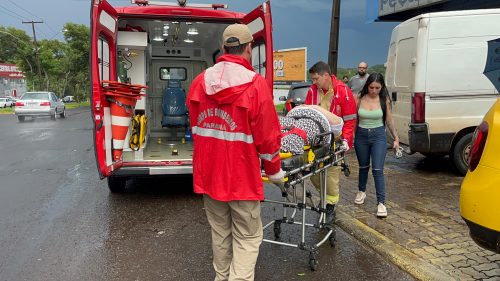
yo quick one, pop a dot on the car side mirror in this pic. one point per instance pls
(282, 98)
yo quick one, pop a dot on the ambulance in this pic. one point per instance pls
(162, 46)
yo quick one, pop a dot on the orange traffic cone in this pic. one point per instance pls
(122, 98)
(122, 109)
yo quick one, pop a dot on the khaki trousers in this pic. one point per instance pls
(236, 237)
(332, 184)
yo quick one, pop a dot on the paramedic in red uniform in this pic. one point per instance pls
(235, 126)
(333, 95)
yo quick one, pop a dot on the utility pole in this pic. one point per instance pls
(36, 47)
(333, 51)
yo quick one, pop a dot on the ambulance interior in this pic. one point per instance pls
(165, 56)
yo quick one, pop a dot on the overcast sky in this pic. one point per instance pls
(296, 23)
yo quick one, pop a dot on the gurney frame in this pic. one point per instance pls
(334, 157)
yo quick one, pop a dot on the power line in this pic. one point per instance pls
(41, 19)
(14, 3)
(44, 34)
(51, 29)
(16, 17)
(12, 12)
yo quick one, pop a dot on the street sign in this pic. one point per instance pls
(289, 65)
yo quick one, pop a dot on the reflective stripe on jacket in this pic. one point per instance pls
(235, 126)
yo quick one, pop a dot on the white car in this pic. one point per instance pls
(68, 99)
(5, 102)
(39, 104)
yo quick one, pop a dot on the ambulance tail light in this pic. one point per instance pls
(418, 108)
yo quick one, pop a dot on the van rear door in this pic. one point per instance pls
(102, 60)
(400, 74)
(260, 24)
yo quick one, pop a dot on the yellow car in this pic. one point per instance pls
(480, 192)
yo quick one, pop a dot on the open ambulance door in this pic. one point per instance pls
(260, 24)
(103, 20)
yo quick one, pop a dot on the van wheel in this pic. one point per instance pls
(461, 152)
(117, 184)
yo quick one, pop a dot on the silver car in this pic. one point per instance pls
(39, 104)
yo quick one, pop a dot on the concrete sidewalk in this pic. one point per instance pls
(423, 233)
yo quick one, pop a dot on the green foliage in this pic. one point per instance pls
(350, 72)
(7, 110)
(379, 68)
(279, 107)
(77, 104)
(15, 44)
(62, 67)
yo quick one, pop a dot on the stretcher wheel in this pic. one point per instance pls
(277, 230)
(333, 238)
(313, 262)
(347, 171)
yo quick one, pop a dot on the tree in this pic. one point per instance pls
(378, 68)
(15, 44)
(52, 62)
(77, 58)
(350, 72)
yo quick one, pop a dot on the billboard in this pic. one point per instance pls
(10, 71)
(290, 65)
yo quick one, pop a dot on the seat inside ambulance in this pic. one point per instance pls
(174, 105)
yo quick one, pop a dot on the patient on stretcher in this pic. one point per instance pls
(303, 123)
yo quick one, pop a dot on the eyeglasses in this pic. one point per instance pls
(362, 67)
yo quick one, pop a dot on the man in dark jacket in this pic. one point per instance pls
(235, 126)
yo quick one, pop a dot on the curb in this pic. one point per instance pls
(403, 258)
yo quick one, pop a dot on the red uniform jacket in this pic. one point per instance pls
(343, 105)
(234, 123)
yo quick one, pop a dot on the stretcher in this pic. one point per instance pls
(316, 159)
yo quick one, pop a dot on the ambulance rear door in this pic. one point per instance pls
(103, 67)
(260, 23)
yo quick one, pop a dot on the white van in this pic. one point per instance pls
(435, 79)
(163, 46)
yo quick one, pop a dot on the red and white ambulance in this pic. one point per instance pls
(163, 46)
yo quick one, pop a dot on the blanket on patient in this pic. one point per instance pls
(301, 125)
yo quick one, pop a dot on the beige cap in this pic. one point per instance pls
(236, 34)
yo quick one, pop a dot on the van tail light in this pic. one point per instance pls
(18, 103)
(45, 103)
(418, 108)
(478, 143)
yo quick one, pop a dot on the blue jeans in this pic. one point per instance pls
(371, 143)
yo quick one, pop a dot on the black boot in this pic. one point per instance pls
(330, 216)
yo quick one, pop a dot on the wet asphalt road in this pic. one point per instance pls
(58, 221)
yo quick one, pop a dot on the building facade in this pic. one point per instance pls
(12, 81)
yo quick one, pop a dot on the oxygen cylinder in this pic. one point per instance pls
(122, 72)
